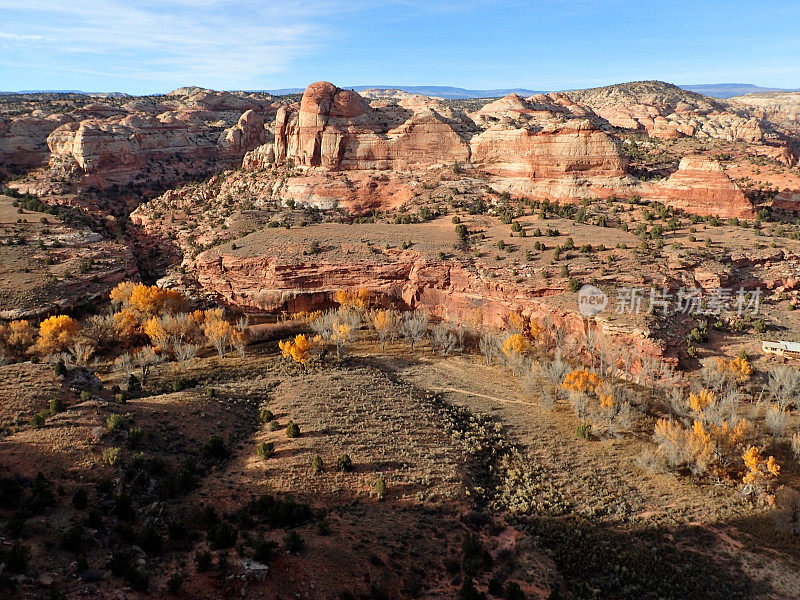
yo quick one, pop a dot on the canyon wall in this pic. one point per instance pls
(447, 290)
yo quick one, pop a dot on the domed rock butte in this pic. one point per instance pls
(331, 344)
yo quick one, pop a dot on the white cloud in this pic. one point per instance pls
(229, 43)
(17, 37)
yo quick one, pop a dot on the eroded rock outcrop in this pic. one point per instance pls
(565, 161)
(338, 130)
(700, 186)
(543, 145)
(23, 140)
(666, 111)
(145, 147)
(448, 290)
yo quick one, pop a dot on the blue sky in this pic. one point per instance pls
(158, 45)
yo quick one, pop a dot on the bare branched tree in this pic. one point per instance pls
(783, 384)
(146, 359)
(490, 347)
(81, 352)
(414, 326)
(444, 338)
(184, 352)
(124, 364)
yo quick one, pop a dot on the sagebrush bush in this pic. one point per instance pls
(135, 435)
(215, 448)
(317, 465)
(293, 542)
(292, 430)
(174, 583)
(57, 405)
(265, 416)
(115, 422)
(263, 550)
(344, 464)
(380, 488)
(203, 558)
(265, 450)
(222, 535)
(112, 455)
(123, 564)
(183, 383)
(278, 513)
(38, 420)
(134, 385)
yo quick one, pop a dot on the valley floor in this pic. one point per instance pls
(482, 482)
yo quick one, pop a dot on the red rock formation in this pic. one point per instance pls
(576, 147)
(134, 148)
(338, 130)
(445, 289)
(700, 186)
(539, 146)
(787, 203)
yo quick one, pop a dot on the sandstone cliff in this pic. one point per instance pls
(700, 186)
(143, 147)
(447, 290)
(23, 140)
(544, 145)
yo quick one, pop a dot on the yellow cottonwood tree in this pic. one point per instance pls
(581, 380)
(218, 332)
(299, 349)
(384, 322)
(20, 335)
(56, 333)
(514, 345)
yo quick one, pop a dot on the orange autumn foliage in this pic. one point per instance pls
(581, 380)
(56, 333)
(701, 400)
(739, 367)
(759, 469)
(606, 400)
(218, 332)
(536, 330)
(382, 321)
(298, 349)
(153, 300)
(514, 345)
(20, 335)
(121, 294)
(515, 322)
(350, 299)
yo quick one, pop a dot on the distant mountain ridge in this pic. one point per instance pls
(713, 90)
(729, 90)
(440, 91)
